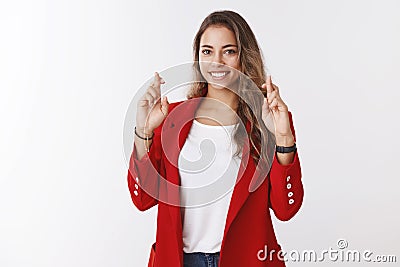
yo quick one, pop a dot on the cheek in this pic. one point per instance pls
(203, 68)
(203, 57)
(232, 62)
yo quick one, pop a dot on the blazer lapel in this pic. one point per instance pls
(241, 191)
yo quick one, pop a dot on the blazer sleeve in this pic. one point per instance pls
(285, 186)
(144, 174)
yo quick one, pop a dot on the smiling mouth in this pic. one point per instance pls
(218, 74)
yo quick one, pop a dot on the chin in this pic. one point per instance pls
(217, 86)
(225, 85)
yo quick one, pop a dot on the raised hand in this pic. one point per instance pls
(275, 113)
(151, 109)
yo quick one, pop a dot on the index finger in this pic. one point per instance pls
(269, 84)
(156, 81)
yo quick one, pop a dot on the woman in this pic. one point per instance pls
(234, 229)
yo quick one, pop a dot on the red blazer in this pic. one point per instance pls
(248, 227)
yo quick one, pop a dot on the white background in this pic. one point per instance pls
(69, 69)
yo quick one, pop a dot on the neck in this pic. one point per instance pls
(224, 95)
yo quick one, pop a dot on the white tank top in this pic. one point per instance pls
(208, 173)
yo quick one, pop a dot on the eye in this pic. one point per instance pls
(230, 51)
(206, 51)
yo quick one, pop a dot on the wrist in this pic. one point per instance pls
(144, 131)
(284, 140)
(286, 149)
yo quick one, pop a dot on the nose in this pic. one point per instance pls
(218, 60)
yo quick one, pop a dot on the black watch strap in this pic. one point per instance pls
(284, 149)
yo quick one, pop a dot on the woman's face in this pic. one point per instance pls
(218, 56)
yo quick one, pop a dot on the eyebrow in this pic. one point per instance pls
(225, 46)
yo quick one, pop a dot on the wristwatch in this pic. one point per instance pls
(284, 149)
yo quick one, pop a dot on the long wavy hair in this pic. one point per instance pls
(251, 95)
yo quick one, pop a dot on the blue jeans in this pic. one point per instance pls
(200, 259)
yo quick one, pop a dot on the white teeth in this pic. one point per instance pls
(218, 74)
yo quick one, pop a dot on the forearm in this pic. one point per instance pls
(143, 174)
(142, 145)
(286, 188)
